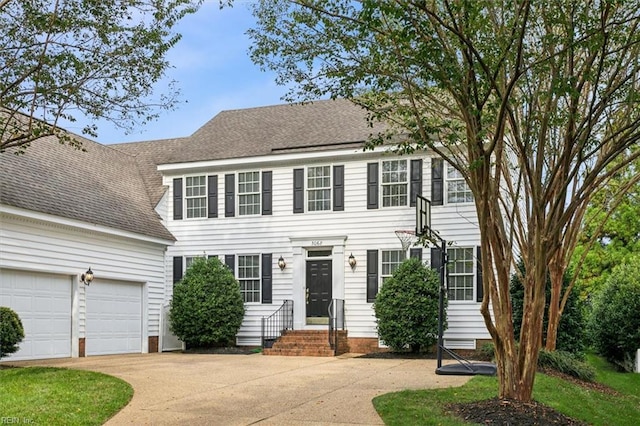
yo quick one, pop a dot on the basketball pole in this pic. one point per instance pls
(443, 277)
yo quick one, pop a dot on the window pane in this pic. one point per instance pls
(195, 196)
(394, 183)
(249, 193)
(319, 188)
(461, 273)
(391, 260)
(249, 277)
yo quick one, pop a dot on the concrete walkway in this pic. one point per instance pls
(172, 388)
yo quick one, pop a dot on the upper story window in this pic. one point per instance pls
(394, 183)
(461, 273)
(249, 193)
(196, 196)
(457, 189)
(249, 277)
(319, 188)
(391, 260)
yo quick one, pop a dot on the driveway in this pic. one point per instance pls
(172, 388)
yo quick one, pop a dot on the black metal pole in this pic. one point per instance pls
(443, 276)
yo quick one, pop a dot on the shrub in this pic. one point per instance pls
(615, 319)
(566, 363)
(407, 307)
(11, 331)
(207, 307)
(571, 329)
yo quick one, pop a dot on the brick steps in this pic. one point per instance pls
(307, 343)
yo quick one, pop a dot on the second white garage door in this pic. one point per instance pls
(114, 318)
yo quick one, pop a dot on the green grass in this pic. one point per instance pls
(40, 395)
(425, 407)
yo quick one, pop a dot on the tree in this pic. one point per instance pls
(207, 307)
(536, 104)
(11, 331)
(97, 58)
(615, 320)
(407, 307)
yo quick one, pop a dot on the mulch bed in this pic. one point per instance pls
(509, 412)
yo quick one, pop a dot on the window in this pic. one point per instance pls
(391, 260)
(319, 188)
(248, 193)
(394, 183)
(457, 189)
(249, 278)
(196, 196)
(461, 274)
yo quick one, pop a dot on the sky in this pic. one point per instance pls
(212, 69)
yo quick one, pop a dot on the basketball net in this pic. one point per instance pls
(406, 238)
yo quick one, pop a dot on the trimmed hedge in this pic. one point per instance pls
(614, 325)
(11, 331)
(207, 307)
(407, 307)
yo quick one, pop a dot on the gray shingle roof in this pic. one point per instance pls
(101, 186)
(270, 130)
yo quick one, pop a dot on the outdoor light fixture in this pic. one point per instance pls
(281, 263)
(352, 261)
(87, 277)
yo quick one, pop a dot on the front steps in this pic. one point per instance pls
(307, 343)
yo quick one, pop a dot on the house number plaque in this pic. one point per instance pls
(316, 243)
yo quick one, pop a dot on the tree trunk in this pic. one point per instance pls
(556, 275)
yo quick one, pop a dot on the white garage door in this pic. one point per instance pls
(43, 302)
(114, 318)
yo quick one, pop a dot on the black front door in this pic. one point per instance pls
(318, 288)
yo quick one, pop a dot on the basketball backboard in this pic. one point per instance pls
(423, 215)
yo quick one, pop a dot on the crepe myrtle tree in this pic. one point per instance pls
(97, 58)
(536, 104)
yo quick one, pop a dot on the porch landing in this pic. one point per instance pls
(308, 343)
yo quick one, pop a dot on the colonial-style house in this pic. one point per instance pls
(284, 195)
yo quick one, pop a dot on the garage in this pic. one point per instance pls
(43, 302)
(113, 318)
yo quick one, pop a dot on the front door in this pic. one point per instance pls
(318, 290)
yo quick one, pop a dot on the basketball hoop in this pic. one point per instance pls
(406, 238)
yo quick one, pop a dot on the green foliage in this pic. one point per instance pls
(100, 58)
(566, 363)
(207, 307)
(571, 329)
(11, 331)
(407, 307)
(614, 324)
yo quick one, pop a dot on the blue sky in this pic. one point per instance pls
(213, 71)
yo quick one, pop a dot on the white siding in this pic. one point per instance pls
(280, 232)
(41, 246)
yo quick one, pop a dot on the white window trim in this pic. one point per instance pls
(472, 274)
(405, 183)
(186, 198)
(259, 278)
(259, 193)
(382, 251)
(308, 190)
(448, 180)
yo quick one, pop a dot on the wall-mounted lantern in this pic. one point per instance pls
(352, 261)
(281, 263)
(87, 277)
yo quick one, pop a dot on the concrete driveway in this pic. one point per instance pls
(172, 388)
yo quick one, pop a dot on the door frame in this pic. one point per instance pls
(301, 246)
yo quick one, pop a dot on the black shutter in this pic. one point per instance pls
(416, 181)
(416, 252)
(229, 195)
(267, 281)
(338, 188)
(298, 190)
(177, 268)
(212, 195)
(177, 199)
(267, 191)
(479, 288)
(372, 275)
(372, 185)
(436, 262)
(230, 261)
(437, 182)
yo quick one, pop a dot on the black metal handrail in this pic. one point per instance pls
(277, 323)
(336, 321)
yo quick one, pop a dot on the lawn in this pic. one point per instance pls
(39, 395)
(425, 407)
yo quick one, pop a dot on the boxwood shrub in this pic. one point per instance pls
(11, 331)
